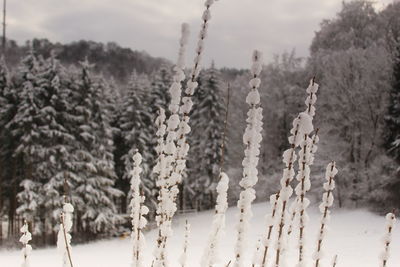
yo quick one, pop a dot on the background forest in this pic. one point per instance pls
(78, 111)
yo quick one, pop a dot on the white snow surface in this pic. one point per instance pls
(355, 235)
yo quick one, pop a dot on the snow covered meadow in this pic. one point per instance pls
(355, 235)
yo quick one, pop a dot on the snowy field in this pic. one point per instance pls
(355, 235)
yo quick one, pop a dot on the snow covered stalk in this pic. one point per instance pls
(306, 159)
(210, 255)
(334, 261)
(184, 256)
(64, 236)
(327, 202)
(251, 138)
(256, 255)
(293, 208)
(186, 107)
(175, 92)
(270, 219)
(139, 210)
(164, 203)
(302, 127)
(26, 249)
(167, 152)
(387, 238)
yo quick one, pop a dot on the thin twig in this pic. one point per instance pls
(221, 163)
(65, 240)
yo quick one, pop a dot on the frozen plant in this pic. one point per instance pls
(387, 238)
(139, 210)
(294, 206)
(327, 202)
(64, 236)
(302, 127)
(334, 261)
(172, 168)
(306, 158)
(26, 249)
(210, 255)
(186, 105)
(266, 240)
(251, 138)
(184, 256)
(164, 205)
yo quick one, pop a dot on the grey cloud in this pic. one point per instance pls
(237, 26)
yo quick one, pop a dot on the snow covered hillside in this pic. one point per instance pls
(356, 237)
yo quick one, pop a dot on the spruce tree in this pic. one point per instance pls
(93, 160)
(135, 127)
(207, 122)
(45, 143)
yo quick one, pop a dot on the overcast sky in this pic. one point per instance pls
(236, 27)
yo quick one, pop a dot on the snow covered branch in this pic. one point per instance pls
(174, 155)
(64, 236)
(327, 202)
(139, 210)
(387, 238)
(306, 159)
(164, 203)
(184, 256)
(252, 138)
(191, 85)
(334, 261)
(270, 220)
(26, 249)
(210, 255)
(302, 127)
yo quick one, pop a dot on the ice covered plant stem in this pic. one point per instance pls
(306, 160)
(334, 261)
(191, 85)
(26, 249)
(387, 238)
(251, 139)
(327, 202)
(138, 211)
(293, 207)
(64, 236)
(184, 256)
(270, 221)
(175, 92)
(160, 169)
(210, 255)
(302, 126)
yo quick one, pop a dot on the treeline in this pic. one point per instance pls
(69, 131)
(110, 59)
(355, 57)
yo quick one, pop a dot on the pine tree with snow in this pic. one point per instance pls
(134, 122)
(26, 250)
(95, 192)
(23, 128)
(8, 105)
(208, 116)
(159, 96)
(251, 138)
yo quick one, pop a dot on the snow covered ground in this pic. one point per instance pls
(355, 235)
